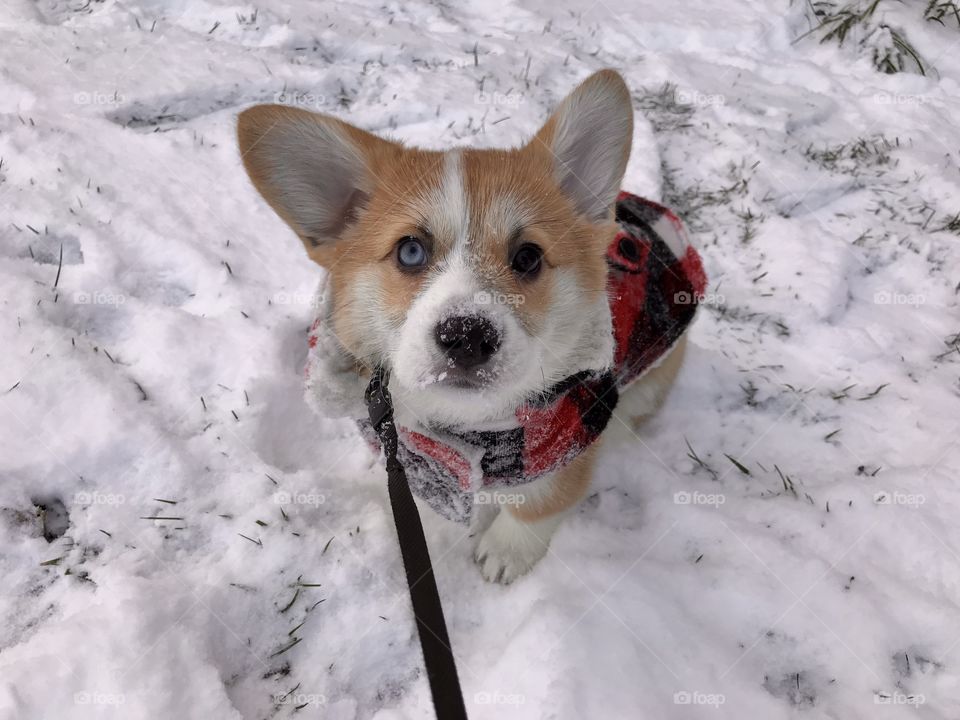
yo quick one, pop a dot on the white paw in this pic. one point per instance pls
(509, 548)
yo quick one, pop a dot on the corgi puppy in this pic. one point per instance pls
(415, 242)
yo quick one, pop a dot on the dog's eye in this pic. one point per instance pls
(527, 260)
(411, 253)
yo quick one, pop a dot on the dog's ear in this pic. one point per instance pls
(316, 172)
(589, 136)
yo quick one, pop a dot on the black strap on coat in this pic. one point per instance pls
(434, 641)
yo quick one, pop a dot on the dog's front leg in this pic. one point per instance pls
(520, 533)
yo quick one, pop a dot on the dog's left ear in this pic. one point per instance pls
(589, 136)
(315, 171)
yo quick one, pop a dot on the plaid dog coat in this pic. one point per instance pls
(655, 279)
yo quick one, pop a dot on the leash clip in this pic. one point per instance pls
(377, 398)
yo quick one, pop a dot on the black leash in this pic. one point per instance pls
(434, 641)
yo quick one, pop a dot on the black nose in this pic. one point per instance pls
(468, 340)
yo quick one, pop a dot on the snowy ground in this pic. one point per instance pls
(803, 565)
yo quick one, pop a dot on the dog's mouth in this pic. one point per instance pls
(472, 379)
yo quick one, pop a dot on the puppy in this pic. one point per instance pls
(416, 242)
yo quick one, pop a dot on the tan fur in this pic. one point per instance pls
(395, 209)
(400, 181)
(399, 205)
(523, 178)
(567, 487)
(652, 389)
(256, 123)
(396, 180)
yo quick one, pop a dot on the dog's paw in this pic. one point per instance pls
(509, 548)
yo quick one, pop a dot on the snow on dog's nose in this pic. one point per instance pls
(468, 341)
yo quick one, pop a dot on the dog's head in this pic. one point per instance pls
(477, 276)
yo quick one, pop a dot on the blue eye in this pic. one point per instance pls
(411, 253)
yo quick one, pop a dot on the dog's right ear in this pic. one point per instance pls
(589, 138)
(315, 171)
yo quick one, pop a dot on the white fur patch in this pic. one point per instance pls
(578, 332)
(446, 207)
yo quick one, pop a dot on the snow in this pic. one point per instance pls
(157, 373)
